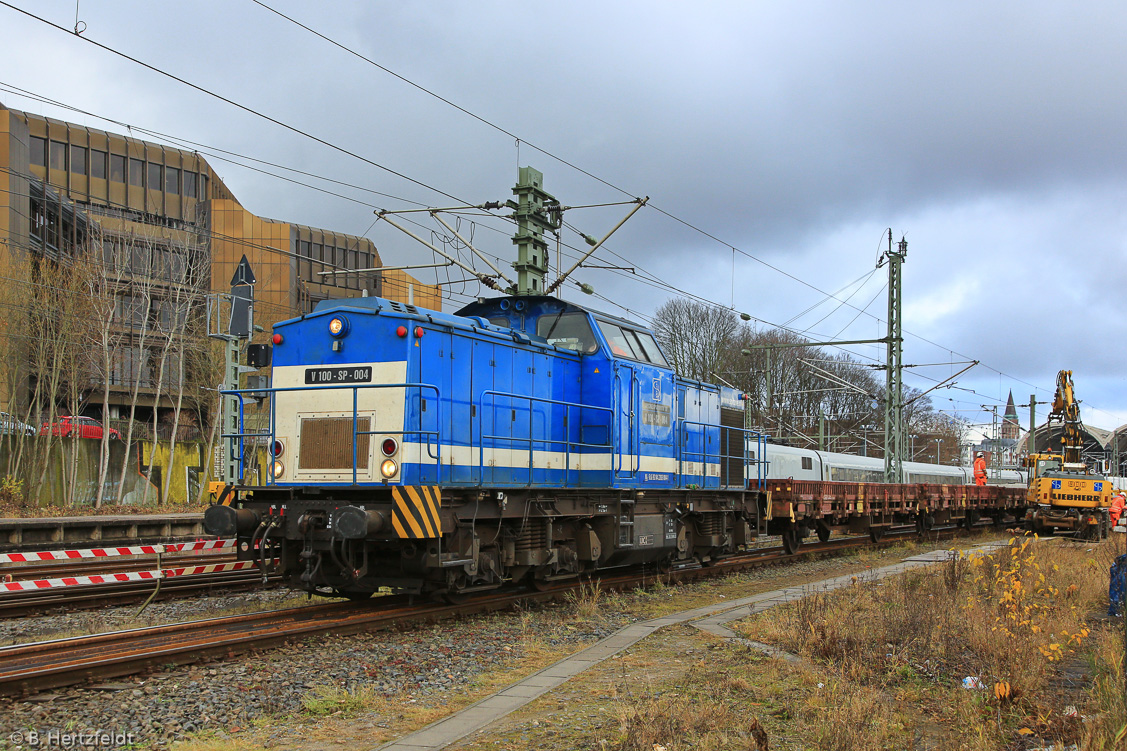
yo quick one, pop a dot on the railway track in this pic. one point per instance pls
(31, 602)
(44, 601)
(27, 668)
(87, 566)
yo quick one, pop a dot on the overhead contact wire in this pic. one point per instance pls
(233, 103)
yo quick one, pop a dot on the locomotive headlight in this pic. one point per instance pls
(338, 326)
(389, 468)
(277, 469)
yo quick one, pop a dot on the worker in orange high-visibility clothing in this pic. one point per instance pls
(979, 469)
(1117, 503)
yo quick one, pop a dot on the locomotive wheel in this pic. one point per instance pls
(451, 597)
(791, 540)
(823, 531)
(355, 596)
(875, 533)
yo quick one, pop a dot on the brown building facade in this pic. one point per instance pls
(165, 230)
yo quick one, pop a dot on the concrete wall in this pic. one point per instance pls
(80, 457)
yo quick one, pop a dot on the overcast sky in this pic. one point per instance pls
(990, 135)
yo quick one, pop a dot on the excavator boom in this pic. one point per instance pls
(1066, 413)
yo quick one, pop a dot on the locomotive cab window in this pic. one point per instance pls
(649, 346)
(567, 331)
(636, 345)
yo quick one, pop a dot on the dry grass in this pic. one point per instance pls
(718, 704)
(1009, 620)
(841, 716)
(1107, 729)
(672, 725)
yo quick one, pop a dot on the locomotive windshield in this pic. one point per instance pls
(567, 331)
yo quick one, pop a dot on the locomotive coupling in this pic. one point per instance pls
(225, 521)
(355, 523)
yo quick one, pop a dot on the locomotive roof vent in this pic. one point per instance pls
(401, 308)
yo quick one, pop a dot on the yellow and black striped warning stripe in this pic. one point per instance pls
(415, 514)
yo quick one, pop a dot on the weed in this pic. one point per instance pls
(11, 491)
(333, 700)
(587, 600)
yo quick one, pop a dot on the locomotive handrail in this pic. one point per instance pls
(239, 394)
(568, 444)
(761, 443)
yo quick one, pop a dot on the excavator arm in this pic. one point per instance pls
(1066, 413)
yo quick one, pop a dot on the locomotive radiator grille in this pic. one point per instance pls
(326, 443)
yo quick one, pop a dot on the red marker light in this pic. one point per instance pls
(401, 332)
(418, 332)
(277, 338)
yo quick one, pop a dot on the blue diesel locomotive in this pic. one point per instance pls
(520, 437)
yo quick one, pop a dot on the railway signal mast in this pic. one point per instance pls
(535, 211)
(231, 318)
(894, 364)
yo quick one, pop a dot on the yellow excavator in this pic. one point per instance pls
(1064, 493)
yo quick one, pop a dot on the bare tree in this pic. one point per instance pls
(696, 337)
(138, 311)
(186, 305)
(107, 277)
